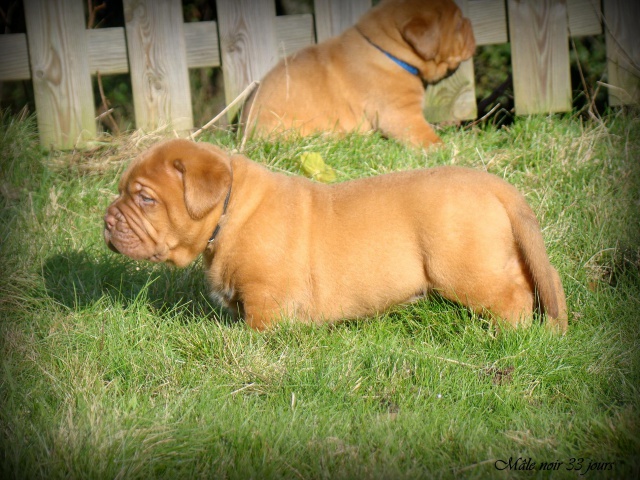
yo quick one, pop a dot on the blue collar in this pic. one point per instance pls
(408, 67)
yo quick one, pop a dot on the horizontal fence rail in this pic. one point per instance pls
(157, 48)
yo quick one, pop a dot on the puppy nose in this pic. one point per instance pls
(109, 221)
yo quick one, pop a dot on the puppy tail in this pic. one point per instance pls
(527, 234)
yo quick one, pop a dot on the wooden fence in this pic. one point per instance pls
(156, 48)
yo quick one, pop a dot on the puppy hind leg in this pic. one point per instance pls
(512, 297)
(514, 305)
(503, 304)
(517, 305)
(505, 296)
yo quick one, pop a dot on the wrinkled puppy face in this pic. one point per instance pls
(438, 33)
(170, 199)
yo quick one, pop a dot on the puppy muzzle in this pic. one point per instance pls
(109, 225)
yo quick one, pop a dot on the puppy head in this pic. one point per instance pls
(439, 35)
(431, 34)
(170, 199)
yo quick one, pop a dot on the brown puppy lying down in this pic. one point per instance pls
(368, 78)
(277, 245)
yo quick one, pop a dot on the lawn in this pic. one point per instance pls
(112, 368)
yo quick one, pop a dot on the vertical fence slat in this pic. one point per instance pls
(334, 16)
(622, 18)
(158, 64)
(540, 56)
(452, 99)
(455, 97)
(62, 89)
(248, 45)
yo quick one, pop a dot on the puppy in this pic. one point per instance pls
(283, 246)
(368, 78)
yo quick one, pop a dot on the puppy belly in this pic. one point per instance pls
(297, 118)
(369, 291)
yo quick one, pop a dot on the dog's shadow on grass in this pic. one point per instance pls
(78, 280)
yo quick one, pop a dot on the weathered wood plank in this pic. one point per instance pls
(108, 46)
(584, 17)
(622, 18)
(157, 58)
(334, 16)
(201, 39)
(540, 56)
(247, 43)
(293, 32)
(489, 20)
(14, 57)
(107, 51)
(454, 98)
(60, 72)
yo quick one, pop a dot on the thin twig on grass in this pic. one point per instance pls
(457, 362)
(499, 376)
(249, 385)
(106, 116)
(484, 117)
(591, 99)
(245, 93)
(497, 93)
(475, 465)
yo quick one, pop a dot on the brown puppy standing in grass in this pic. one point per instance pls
(277, 245)
(368, 78)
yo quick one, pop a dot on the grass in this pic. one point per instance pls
(116, 369)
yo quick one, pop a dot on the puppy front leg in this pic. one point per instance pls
(411, 128)
(261, 312)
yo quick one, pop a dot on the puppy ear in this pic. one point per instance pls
(423, 35)
(206, 180)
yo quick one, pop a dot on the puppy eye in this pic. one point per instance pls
(146, 200)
